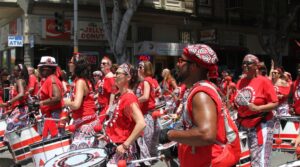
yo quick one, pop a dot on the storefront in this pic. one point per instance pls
(162, 55)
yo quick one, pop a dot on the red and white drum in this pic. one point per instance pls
(291, 164)
(45, 150)
(286, 129)
(19, 141)
(165, 121)
(245, 152)
(2, 131)
(83, 157)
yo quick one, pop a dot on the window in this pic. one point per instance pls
(144, 34)
(185, 36)
(205, 7)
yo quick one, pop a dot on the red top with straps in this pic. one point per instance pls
(14, 92)
(259, 91)
(150, 103)
(46, 93)
(283, 90)
(210, 155)
(88, 106)
(122, 124)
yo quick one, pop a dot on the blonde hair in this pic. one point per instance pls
(148, 69)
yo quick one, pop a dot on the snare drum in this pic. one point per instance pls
(19, 141)
(2, 131)
(291, 164)
(245, 152)
(45, 150)
(286, 128)
(82, 157)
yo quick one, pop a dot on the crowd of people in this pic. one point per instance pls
(122, 98)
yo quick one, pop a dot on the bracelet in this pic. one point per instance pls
(125, 147)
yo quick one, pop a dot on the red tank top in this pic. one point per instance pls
(282, 90)
(13, 93)
(296, 96)
(88, 106)
(150, 104)
(205, 155)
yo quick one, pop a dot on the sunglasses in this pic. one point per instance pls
(118, 73)
(96, 76)
(248, 63)
(274, 72)
(181, 60)
(104, 63)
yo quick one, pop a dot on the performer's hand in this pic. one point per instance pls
(120, 149)
(296, 142)
(253, 107)
(163, 136)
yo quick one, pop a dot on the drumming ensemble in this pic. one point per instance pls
(125, 117)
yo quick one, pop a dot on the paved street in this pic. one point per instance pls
(277, 159)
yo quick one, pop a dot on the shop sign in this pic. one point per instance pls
(15, 40)
(208, 35)
(144, 58)
(158, 48)
(90, 31)
(92, 57)
(49, 31)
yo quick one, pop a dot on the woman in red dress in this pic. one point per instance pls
(127, 121)
(82, 104)
(16, 103)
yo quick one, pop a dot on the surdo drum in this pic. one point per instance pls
(245, 152)
(19, 141)
(2, 131)
(45, 150)
(286, 129)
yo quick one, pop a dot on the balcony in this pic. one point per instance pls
(171, 5)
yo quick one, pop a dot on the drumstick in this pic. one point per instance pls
(146, 159)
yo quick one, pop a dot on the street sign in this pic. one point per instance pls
(15, 40)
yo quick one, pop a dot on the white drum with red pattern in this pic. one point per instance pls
(2, 131)
(245, 160)
(286, 128)
(80, 158)
(45, 150)
(19, 141)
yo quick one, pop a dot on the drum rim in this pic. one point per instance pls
(50, 141)
(80, 151)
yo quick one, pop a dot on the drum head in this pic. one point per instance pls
(82, 157)
(290, 164)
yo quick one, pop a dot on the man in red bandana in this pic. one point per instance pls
(209, 138)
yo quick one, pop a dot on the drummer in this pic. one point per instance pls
(51, 93)
(16, 104)
(82, 103)
(127, 122)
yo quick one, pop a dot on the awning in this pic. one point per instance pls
(158, 48)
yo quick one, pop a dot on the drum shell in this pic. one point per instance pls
(2, 132)
(245, 160)
(46, 150)
(19, 141)
(286, 128)
(99, 158)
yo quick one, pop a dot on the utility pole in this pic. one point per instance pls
(75, 50)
